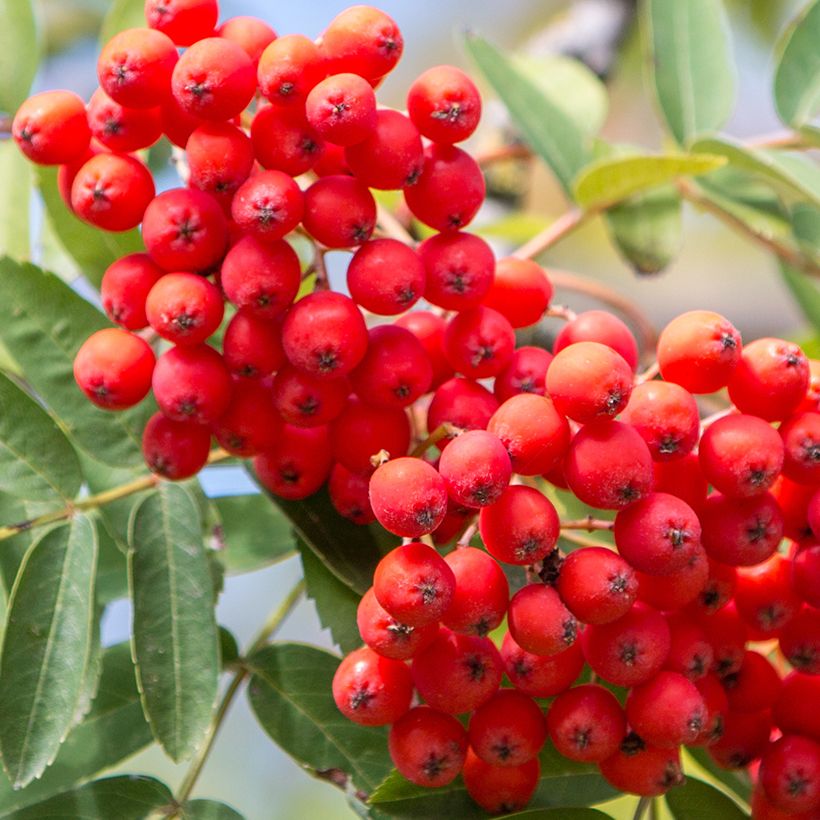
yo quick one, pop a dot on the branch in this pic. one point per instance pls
(443, 431)
(792, 257)
(273, 622)
(391, 227)
(589, 524)
(781, 139)
(92, 502)
(551, 235)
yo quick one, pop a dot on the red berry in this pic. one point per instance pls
(124, 288)
(462, 403)
(522, 527)
(479, 342)
(717, 709)
(175, 449)
(428, 747)
(790, 712)
(679, 588)
(541, 676)
(386, 635)
(112, 191)
(120, 128)
(699, 350)
(481, 593)
(349, 496)
(718, 589)
(135, 66)
(385, 276)
(539, 622)
(268, 205)
(588, 381)
(727, 633)
(682, 478)
(444, 104)
(790, 773)
(602, 327)
(586, 723)
(289, 68)
(597, 585)
(177, 123)
(745, 737)
(113, 368)
(372, 690)
(298, 464)
(508, 730)
(362, 431)
(340, 212)
(191, 383)
(307, 400)
(342, 109)
(500, 789)
(184, 308)
(526, 373)
(520, 291)
(250, 424)
(252, 347)
(608, 465)
(764, 595)
(800, 641)
(642, 769)
(283, 140)
(806, 574)
(690, 653)
(754, 686)
(628, 651)
(51, 128)
(408, 496)
(801, 442)
(667, 710)
(457, 673)
(220, 158)
(250, 33)
(476, 468)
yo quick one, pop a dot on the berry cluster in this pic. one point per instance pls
(283, 136)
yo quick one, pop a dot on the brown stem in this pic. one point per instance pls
(92, 502)
(789, 255)
(648, 374)
(779, 139)
(589, 524)
(319, 267)
(443, 431)
(503, 153)
(581, 540)
(563, 226)
(561, 312)
(467, 536)
(391, 227)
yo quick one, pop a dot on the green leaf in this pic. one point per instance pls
(46, 648)
(336, 603)
(805, 292)
(690, 64)
(647, 229)
(789, 177)
(562, 813)
(91, 248)
(209, 810)
(112, 567)
(43, 323)
(695, 800)
(254, 533)
(19, 52)
(609, 181)
(290, 693)
(15, 171)
(122, 14)
(14, 511)
(806, 228)
(570, 85)
(552, 134)
(348, 550)
(127, 797)
(797, 76)
(175, 637)
(113, 729)
(737, 781)
(36, 460)
(562, 783)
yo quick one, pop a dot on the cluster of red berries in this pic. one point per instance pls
(283, 135)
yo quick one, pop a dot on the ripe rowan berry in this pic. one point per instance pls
(806, 574)
(754, 686)
(444, 104)
(690, 653)
(283, 140)
(250, 33)
(220, 159)
(385, 276)
(745, 737)
(340, 212)
(539, 622)
(508, 730)
(124, 288)
(800, 641)
(289, 68)
(349, 496)
(122, 129)
(801, 442)
(676, 590)
(666, 710)
(298, 464)
(500, 789)
(479, 342)
(790, 773)
(385, 634)
(342, 109)
(250, 423)
(682, 478)
(268, 205)
(476, 468)
(602, 327)
(640, 768)
(252, 347)
(526, 373)
(307, 400)
(790, 713)
(463, 403)
(51, 128)
(764, 595)
(184, 308)
(520, 291)
(175, 449)
(717, 708)
(481, 594)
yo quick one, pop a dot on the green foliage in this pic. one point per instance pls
(122, 14)
(128, 797)
(208, 810)
(797, 77)
(553, 134)
(46, 648)
(690, 64)
(288, 692)
(19, 52)
(175, 638)
(555, 814)
(15, 193)
(696, 799)
(737, 782)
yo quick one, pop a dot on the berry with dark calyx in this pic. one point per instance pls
(298, 464)
(764, 595)
(289, 68)
(588, 381)
(717, 591)
(690, 653)
(682, 478)
(459, 269)
(114, 368)
(639, 768)
(283, 140)
(192, 383)
(500, 789)
(184, 308)
(307, 400)
(522, 527)
(602, 327)
(372, 690)
(476, 468)
(252, 347)
(728, 634)
(349, 496)
(220, 159)
(608, 464)
(699, 350)
(340, 212)
(507, 730)
(342, 109)
(175, 449)
(541, 676)
(457, 673)
(790, 713)
(444, 104)
(597, 585)
(790, 773)
(361, 431)
(386, 277)
(534, 433)
(629, 651)
(800, 641)
(250, 424)
(520, 291)
(324, 334)
(754, 686)
(428, 747)
(429, 328)
(125, 286)
(806, 574)
(408, 496)
(667, 710)
(120, 128)
(801, 442)
(463, 403)
(395, 370)
(666, 416)
(526, 373)
(539, 622)
(745, 737)
(676, 590)
(479, 342)
(413, 583)
(268, 205)
(184, 21)
(717, 708)
(586, 723)
(481, 594)
(388, 636)
(51, 128)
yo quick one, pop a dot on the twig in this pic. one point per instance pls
(100, 499)
(273, 622)
(709, 420)
(445, 430)
(789, 255)
(391, 227)
(467, 536)
(648, 374)
(561, 312)
(779, 139)
(589, 524)
(503, 153)
(563, 226)
(581, 540)
(641, 808)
